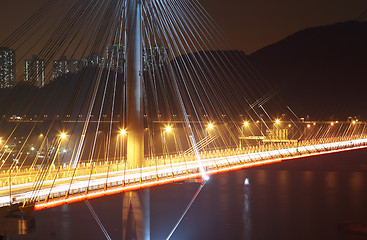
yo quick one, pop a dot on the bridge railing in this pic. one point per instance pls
(106, 177)
(29, 175)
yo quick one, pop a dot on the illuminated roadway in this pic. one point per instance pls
(120, 181)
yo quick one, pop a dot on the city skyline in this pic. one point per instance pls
(35, 70)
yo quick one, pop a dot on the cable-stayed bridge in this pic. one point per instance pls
(153, 98)
(86, 181)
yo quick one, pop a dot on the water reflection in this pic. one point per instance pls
(330, 180)
(246, 218)
(330, 186)
(224, 197)
(283, 201)
(355, 188)
(356, 181)
(261, 177)
(65, 222)
(308, 178)
(283, 179)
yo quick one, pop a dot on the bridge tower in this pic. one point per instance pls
(134, 83)
(136, 205)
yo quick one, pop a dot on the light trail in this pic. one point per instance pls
(162, 174)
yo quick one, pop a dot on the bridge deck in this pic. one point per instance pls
(61, 190)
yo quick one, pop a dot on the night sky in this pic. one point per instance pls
(249, 24)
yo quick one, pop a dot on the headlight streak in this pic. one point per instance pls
(133, 177)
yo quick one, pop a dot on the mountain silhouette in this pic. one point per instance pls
(320, 71)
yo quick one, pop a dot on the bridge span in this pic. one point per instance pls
(88, 181)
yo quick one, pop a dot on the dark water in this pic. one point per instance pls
(299, 199)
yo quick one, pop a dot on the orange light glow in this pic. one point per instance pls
(106, 192)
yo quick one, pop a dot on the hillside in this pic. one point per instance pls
(319, 71)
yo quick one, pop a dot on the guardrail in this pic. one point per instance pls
(110, 177)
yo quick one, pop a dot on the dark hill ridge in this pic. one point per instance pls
(321, 70)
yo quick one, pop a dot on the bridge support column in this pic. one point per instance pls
(134, 83)
(136, 215)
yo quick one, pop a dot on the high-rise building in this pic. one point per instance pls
(75, 65)
(96, 60)
(7, 67)
(34, 71)
(115, 57)
(60, 67)
(154, 57)
(64, 66)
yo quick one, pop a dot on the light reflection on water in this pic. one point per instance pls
(301, 199)
(246, 217)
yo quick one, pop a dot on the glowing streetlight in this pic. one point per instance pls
(122, 131)
(354, 122)
(168, 128)
(308, 125)
(245, 123)
(63, 135)
(332, 124)
(277, 121)
(289, 125)
(210, 125)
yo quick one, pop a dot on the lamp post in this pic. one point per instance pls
(244, 125)
(209, 127)
(167, 130)
(122, 134)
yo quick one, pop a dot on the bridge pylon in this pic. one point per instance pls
(134, 83)
(136, 212)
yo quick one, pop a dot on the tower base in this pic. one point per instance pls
(14, 222)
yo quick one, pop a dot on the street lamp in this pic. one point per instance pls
(168, 128)
(63, 135)
(277, 121)
(123, 132)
